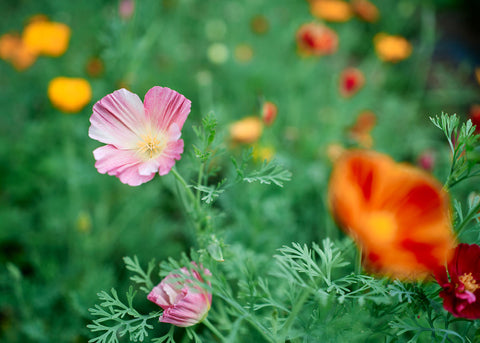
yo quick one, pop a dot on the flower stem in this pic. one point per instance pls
(213, 329)
(182, 181)
(295, 310)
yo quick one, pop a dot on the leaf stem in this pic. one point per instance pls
(213, 329)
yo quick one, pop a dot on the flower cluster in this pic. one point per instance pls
(39, 37)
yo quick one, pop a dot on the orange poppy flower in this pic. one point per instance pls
(269, 113)
(360, 131)
(247, 130)
(46, 37)
(316, 39)
(365, 10)
(14, 51)
(391, 48)
(69, 95)
(331, 10)
(398, 214)
(351, 81)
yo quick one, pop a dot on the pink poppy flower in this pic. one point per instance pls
(461, 293)
(142, 138)
(184, 297)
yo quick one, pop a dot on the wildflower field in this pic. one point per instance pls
(239, 171)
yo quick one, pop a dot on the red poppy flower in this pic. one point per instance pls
(269, 112)
(461, 294)
(316, 39)
(351, 81)
(475, 117)
(398, 214)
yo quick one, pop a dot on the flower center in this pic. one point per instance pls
(469, 282)
(383, 225)
(151, 146)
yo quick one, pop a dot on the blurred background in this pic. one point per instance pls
(64, 227)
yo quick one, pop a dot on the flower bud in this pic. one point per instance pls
(184, 297)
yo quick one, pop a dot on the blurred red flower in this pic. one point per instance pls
(397, 214)
(269, 113)
(316, 39)
(351, 81)
(475, 117)
(461, 293)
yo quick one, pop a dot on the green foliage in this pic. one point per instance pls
(116, 319)
(463, 141)
(64, 228)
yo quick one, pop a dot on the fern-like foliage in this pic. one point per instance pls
(269, 172)
(141, 277)
(463, 142)
(115, 319)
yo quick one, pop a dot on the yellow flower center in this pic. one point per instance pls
(382, 225)
(469, 282)
(151, 146)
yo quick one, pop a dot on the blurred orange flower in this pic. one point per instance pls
(46, 37)
(391, 48)
(316, 39)
(365, 10)
(14, 51)
(269, 113)
(351, 81)
(477, 74)
(95, 67)
(247, 130)
(397, 214)
(259, 24)
(69, 95)
(331, 10)
(360, 131)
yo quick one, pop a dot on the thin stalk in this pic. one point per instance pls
(214, 329)
(473, 213)
(295, 310)
(248, 317)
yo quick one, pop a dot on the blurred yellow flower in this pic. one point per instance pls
(391, 48)
(365, 10)
(262, 153)
(477, 74)
(69, 95)
(334, 151)
(247, 130)
(46, 37)
(84, 222)
(14, 51)
(331, 10)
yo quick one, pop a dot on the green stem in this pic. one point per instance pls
(199, 181)
(295, 310)
(187, 189)
(472, 214)
(197, 217)
(248, 317)
(213, 329)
